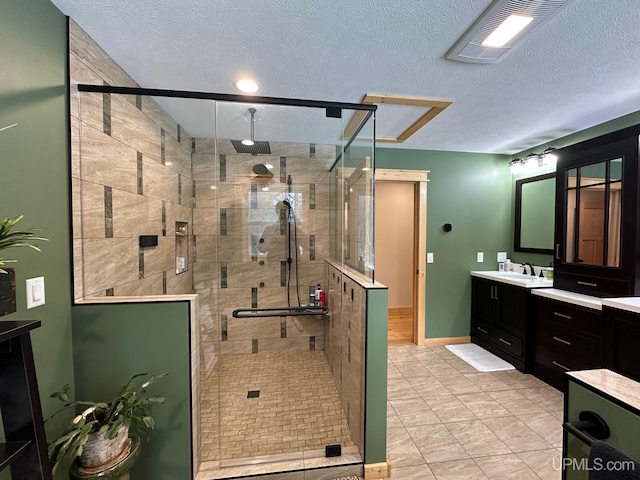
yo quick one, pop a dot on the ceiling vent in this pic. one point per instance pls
(473, 48)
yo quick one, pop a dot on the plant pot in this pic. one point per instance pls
(101, 453)
(7, 292)
(119, 471)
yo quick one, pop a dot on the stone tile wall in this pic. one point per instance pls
(234, 209)
(345, 346)
(131, 176)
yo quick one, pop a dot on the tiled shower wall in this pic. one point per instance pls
(234, 209)
(131, 176)
(345, 346)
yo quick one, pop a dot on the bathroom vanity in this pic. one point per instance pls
(500, 314)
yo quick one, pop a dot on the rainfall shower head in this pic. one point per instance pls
(250, 145)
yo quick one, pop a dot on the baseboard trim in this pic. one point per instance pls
(431, 342)
(377, 470)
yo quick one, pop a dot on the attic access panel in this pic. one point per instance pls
(434, 107)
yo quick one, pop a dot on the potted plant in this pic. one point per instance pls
(99, 436)
(10, 237)
(15, 238)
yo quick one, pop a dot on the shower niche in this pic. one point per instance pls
(182, 247)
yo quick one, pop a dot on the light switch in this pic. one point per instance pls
(429, 257)
(35, 292)
(502, 256)
(480, 257)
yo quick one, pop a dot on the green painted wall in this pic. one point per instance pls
(375, 429)
(34, 175)
(472, 192)
(113, 342)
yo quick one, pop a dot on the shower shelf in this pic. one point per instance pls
(279, 312)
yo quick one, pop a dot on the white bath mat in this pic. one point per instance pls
(479, 358)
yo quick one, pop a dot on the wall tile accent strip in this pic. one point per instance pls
(224, 327)
(163, 147)
(312, 196)
(164, 283)
(254, 297)
(193, 194)
(139, 102)
(140, 263)
(254, 197)
(108, 212)
(312, 247)
(106, 113)
(178, 132)
(164, 218)
(223, 167)
(223, 274)
(312, 150)
(312, 343)
(223, 221)
(139, 168)
(254, 345)
(283, 327)
(179, 189)
(193, 145)
(283, 169)
(283, 273)
(195, 256)
(254, 239)
(109, 292)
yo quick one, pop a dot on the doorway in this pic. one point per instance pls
(400, 250)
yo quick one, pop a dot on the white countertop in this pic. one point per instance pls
(570, 297)
(611, 383)
(630, 304)
(513, 278)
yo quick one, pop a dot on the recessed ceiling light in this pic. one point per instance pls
(269, 166)
(246, 85)
(507, 30)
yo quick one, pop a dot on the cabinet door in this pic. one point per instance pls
(511, 301)
(484, 302)
(622, 352)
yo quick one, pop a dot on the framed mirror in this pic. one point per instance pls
(535, 214)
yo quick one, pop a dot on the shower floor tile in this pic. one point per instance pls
(298, 408)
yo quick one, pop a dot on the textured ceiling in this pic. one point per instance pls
(580, 69)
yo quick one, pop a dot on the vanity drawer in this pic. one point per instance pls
(591, 285)
(505, 341)
(557, 362)
(570, 316)
(570, 343)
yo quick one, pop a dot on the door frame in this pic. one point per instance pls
(419, 178)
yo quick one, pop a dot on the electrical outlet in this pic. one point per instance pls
(480, 257)
(430, 257)
(502, 256)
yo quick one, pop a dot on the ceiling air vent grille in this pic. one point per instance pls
(470, 49)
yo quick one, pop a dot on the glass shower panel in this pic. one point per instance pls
(358, 189)
(272, 213)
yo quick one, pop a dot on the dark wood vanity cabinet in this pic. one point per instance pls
(597, 232)
(622, 349)
(567, 337)
(498, 319)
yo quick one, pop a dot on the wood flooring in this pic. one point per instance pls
(400, 325)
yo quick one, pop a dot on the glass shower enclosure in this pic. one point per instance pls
(251, 199)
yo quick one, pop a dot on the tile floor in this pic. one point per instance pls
(298, 408)
(446, 420)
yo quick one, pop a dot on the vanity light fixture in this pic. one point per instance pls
(249, 141)
(501, 28)
(533, 161)
(246, 85)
